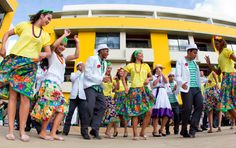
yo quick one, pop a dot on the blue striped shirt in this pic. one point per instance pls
(193, 73)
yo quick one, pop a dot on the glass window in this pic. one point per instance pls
(2, 13)
(204, 44)
(138, 40)
(231, 45)
(177, 43)
(111, 39)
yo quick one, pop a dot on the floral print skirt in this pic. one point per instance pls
(110, 115)
(50, 101)
(212, 95)
(18, 72)
(227, 92)
(139, 101)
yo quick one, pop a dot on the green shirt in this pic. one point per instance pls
(193, 73)
(172, 97)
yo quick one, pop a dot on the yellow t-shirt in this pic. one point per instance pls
(139, 75)
(121, 86)
(224, 61)
(27, 45)
(107, 88)
(213, 82)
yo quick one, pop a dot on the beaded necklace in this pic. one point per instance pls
(140, 68)
(40, 32)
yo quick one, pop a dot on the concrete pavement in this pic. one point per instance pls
(226, 139)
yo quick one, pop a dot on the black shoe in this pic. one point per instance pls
(176, 132)
(86, 137)
(192, 134)
(65, 133)
(167, 132)
(154, 134)
(185, 134)
(27, 129)
(198, 130)
(203, 128)
(58, 132)
(95, 134)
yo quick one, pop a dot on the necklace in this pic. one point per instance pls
(60, 59)
(40, 32)
(140, 68)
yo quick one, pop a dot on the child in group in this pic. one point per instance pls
(110, 117)
(172, 91)
(162, 108)
(51, 101)
(119, 98)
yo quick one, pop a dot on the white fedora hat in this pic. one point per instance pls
(102, 46)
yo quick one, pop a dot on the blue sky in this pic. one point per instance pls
(26, 7)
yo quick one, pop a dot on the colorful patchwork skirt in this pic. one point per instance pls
(212, 98)
(227, 92)
(139, 101)
(50, 101)
(110, 115)
(18, 72)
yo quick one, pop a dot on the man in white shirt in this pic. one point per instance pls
(95, 70)
(189, 83)
(77, 94)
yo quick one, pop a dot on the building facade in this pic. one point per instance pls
(7, 11)
(161, 32)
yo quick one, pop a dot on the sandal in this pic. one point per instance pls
(10, 137)
(144, 137)
(125, 135)
(58, 138)
(210, 131)
(219, 129)
(109, 136)
(24, 138)
(115, 134)
(49, 138)
(136, 138)
(155, 134)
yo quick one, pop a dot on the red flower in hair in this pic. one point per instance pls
(186, 64)
(98, 66)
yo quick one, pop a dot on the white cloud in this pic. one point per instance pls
(221, 8)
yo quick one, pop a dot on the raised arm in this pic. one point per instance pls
(212, 67)
(59, 40)
(76, 54)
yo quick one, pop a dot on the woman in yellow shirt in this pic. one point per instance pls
(110, 117)
(139, 100)
(226, 61)
(120, 97)
(18, 70)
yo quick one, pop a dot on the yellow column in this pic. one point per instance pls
(159, 42)
(87, 45)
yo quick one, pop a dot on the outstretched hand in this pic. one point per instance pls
(208, 61)
(67, 32)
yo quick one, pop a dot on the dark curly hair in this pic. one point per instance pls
(36, 16)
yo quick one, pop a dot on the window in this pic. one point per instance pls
(231, 45)
(111, 39)
(2, 13)
(70, 43)
(178, 43)
(69, 70)
(204, 44)
(138, 40)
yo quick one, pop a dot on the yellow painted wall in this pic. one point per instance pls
(160, 46)
(87, 45)
(8, 18)
(138, 23)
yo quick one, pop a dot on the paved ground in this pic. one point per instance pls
(226, 139)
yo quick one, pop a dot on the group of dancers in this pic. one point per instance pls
(140, 93)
